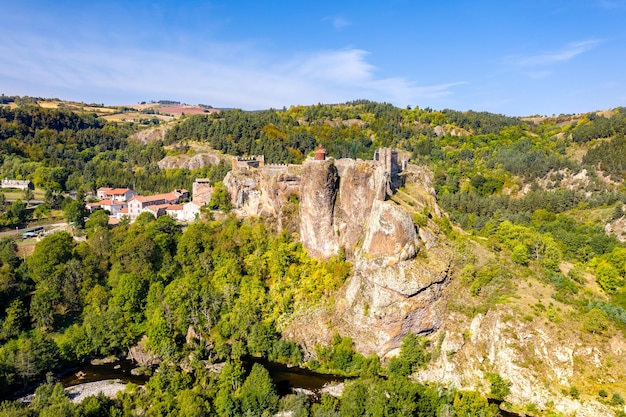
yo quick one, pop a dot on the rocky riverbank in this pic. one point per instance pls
(109, 388)
(77, 393)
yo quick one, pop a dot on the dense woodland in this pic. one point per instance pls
(238, 283)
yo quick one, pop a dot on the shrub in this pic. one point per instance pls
(596, 321)
(499, 386)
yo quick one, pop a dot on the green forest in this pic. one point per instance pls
(238, 283)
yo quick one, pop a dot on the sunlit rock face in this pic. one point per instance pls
(318, 193)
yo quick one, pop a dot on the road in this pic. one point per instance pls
(28, 229)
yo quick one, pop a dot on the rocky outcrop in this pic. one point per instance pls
(343, 206)
(151, 135)
(361, 183)
(390, 234)
(337, 202)
(272, 192)
(189, 162)
(527, 354)
(141, 355)
(318, 192)
(384, 300)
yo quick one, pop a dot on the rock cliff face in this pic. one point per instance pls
(189, 162)
(532, 356)
(318, 193)
(272, 192)
(361, 183)
(343, 205)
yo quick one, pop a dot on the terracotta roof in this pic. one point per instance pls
(124, 210)
(157, 207)
(175, 207)
(156, 197)
(119, 191)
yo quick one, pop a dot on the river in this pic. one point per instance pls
(285, 378)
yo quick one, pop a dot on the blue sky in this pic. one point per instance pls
(512, 57)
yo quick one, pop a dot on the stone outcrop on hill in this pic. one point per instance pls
(188, 161)
(271, 192)
(343, 207)
(151, 135)
(318, 194)
(534, 357)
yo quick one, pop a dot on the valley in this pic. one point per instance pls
(456, 262)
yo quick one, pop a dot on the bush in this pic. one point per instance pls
(499, 386)
(617, 399)
(413, 356)
(596, 321)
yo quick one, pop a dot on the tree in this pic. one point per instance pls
(75, 212)
(49, 255)
(520, 254)
(499, 386)
(608, 277)
(14, 320)
(17, 213)
(48, 269)
(413, 355)
(354, 399)
(53, 199)
(220, 199)
(97, 220)
(596, 321)
(229, 382)
(28, 195)
(258, 396)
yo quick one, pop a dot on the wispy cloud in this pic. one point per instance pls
(338, 22)
(570, 51)
(611, 4)
(248, 79)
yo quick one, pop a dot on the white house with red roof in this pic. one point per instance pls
(191, 211)
(139, 204)
(115, 194)
(124, 202)
(112, 206)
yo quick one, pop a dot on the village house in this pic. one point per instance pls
(175, 211)
(19, 184)
(124, 202)
(115, 194)
(112, 206)
(139, 204)
(191, 210)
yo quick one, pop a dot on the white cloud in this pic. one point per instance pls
(570, 51)
(218, 76)
(338, 22)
